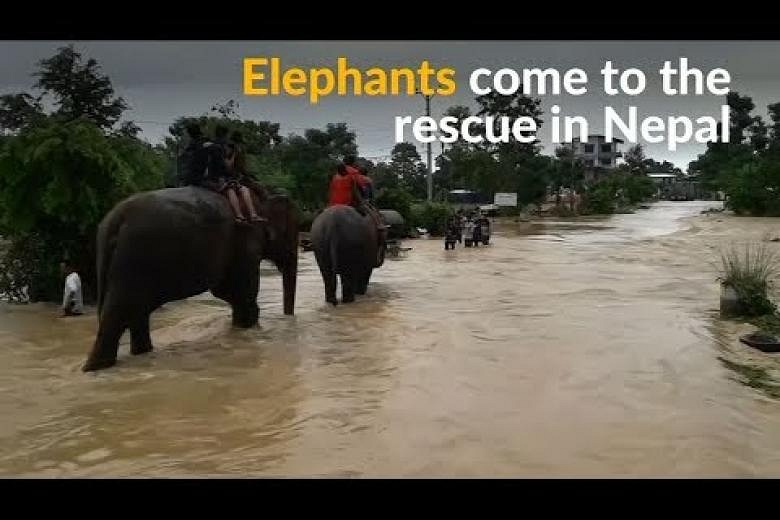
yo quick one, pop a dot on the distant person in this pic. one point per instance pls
(72, 303)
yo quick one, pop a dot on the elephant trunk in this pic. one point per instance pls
(289, 281)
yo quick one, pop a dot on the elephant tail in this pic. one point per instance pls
(107, 235)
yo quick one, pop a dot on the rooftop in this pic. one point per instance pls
(577, 139)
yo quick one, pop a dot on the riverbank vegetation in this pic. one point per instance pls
(747, 168)
(749, 271)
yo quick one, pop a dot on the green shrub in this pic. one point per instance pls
(57, 181)
(431, 216)
(396, 199)
(599, 199)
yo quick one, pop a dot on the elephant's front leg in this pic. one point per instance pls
(245, 309)
(140, 340)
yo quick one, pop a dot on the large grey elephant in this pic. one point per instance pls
(349, 245)
(170, 244)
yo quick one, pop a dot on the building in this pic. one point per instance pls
(596, 152)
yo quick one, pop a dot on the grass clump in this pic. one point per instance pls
(749, 271)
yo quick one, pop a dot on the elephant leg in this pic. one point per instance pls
(140, 340)
(330, 287)
(245, 309)
(362, 283)
(329, 279)
(110, 329)
(348, 288)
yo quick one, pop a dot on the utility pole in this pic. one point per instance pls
(428, 146)
(430, 155)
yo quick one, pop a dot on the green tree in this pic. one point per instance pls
(739, 117)
(57, 181)
(722, 159)
(773, 134)
(79, 89)
(518, 166)
(261, 139)
(513, 107)
(635, 160)
(19, 111)
(61, 171)
(407, 165)
(310, 161)
(566, 172)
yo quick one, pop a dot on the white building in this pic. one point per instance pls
(596, 152)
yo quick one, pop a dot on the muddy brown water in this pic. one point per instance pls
(580, 347)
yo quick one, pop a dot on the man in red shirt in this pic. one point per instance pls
(363, 182)
(344, 188)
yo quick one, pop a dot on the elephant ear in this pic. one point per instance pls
(270, 232)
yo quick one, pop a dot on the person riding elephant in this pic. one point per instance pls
(170, 244)
(344, 189)
(221, 177)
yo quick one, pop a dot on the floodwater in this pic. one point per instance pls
(586, 347)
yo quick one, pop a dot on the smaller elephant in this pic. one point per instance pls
(349, 245)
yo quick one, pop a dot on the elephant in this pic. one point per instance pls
(170, 244)
(349, 245)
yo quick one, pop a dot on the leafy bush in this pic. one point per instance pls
(57, 181)
(617, 190)
(397, 199)
(599, 199)
(431, 216)
(749, 272)
(753, 188)
(637, 188)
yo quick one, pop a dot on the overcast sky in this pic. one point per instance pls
(164, 80)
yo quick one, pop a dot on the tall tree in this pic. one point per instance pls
(61, 172)
(79, 89)
(635, 159)
(18, 111)
(407, 164)
(739, 118)
(774, 128)
(512, 107)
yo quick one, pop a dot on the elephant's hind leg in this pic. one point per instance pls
(348, 287)
(140, 340)
(329, 279)
(112, 326)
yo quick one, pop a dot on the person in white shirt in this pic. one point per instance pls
(72, 304)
